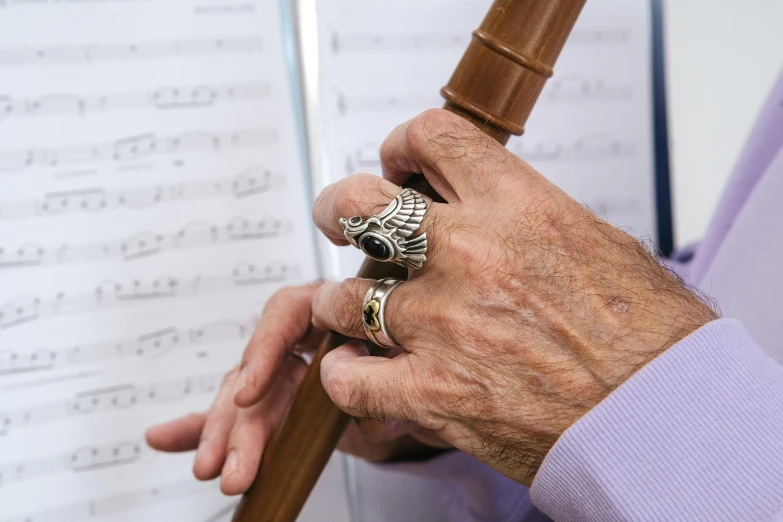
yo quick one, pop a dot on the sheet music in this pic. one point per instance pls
(382, 63)
(152, 196)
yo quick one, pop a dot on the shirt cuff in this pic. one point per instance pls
(697, 434)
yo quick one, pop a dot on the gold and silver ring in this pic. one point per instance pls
(373, 312)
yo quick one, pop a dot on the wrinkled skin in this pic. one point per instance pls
(529, 311)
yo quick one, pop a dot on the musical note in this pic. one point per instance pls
(589, 148)
(249, 182)
(397, 41)
(118, 397)
(145, 244)
(118, 503)
(365, 157)
(568, 89)
(86, 458)
(400, 102)
(132, 148)
(153, 344)
(576, 89)
(161, 98)
(106, 52)
(152, 176)
(367, 42)
(24, 309)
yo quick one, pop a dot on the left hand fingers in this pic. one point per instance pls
(254, 426)
(181, 434)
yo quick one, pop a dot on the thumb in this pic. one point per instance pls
(369, 387)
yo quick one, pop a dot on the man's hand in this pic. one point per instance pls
(528, 312)
(230, 438)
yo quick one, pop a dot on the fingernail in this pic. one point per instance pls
(231, 464)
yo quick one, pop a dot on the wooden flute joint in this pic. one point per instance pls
(489, 41)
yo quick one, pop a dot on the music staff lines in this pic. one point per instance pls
(25, 309)
(121, 502)
(86, 458)
(588, 148)
(161, 98)
(561, 90)
(249, 182)
(118, 397)
(126, 51)
(152, 344)
(574, 89)
(133, 148)
(145, 244)
(352, 42)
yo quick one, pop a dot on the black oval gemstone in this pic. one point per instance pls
(375, 248)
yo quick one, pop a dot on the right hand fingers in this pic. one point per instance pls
(284, 324)
(339, 307)
(390, 441)
(459, 161)
(363, 196)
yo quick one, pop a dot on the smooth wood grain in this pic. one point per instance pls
(495, 86)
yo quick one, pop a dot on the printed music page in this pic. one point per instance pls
(591, 133)
(152, 196)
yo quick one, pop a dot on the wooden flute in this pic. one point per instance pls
(495, 86)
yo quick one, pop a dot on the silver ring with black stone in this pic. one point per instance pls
(373, 312)
(387, 236)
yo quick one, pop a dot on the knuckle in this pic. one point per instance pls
(483, 259)
(463, 247)
(280, 298)
(320, 204)
(450, 392)
(388, 152)
(359, 195)
(230, 377)
(397, 308)
(340, 387)
(420, 130)
(347, 305)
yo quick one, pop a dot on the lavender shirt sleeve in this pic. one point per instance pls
(764, 143)
(697, 434)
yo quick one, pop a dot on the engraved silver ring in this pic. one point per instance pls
(387, 236)
(373, 312)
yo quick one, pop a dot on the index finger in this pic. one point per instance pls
(458, 160)
(286, 321)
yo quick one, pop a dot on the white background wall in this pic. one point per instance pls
(723, 57)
